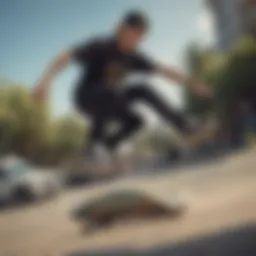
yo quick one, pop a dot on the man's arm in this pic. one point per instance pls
(197, 86)
(81, 54)
(145, 64)
(54, 68)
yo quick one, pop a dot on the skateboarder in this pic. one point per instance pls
(105, 63)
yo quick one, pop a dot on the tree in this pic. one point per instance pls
(26, 127)
(236, 87)
(231, 76)
(69, 137)
(30, 120)
(204, 65)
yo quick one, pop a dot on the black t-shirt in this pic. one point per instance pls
(103, 64)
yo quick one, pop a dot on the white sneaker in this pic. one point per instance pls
(122, 158)
(98, 159)
(190, 141)
(100, 154)
(207, 132)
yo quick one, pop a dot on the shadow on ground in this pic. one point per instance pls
(233, 242)
(195, 159)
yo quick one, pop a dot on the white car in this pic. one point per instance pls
(5, 191)
(22, 181)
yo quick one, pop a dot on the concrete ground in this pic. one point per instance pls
(220, 196)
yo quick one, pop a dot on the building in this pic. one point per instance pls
(249, 16)
(233, 19)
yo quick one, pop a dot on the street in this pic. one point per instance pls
(219, 195)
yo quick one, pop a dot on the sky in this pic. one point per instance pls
(33, 32)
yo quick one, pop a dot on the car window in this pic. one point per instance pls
(15, 169)
(20, 169)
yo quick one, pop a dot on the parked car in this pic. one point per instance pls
(5, 191)
(76, 178)
(19, 180)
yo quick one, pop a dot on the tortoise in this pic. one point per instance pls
(103, 211)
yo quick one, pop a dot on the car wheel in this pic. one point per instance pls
(24, 194)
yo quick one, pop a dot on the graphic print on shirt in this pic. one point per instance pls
(115, 72)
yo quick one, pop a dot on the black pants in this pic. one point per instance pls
(105, 105)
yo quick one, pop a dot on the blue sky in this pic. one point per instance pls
(34, 31)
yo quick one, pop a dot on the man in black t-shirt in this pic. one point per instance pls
(105, 63)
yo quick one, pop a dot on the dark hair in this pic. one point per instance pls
(136, 19)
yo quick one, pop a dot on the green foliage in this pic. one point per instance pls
(205, 66)
(69, 134)
(231, 76)
(26, 127)
(238, 78)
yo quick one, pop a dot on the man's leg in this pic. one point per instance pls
(146, 94)
(113, 107)
(99, 105)
(188, 137)
(129, 121)
(97, 131)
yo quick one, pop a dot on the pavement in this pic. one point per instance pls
(220, 196)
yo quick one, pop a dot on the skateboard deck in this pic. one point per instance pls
(125, 204)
